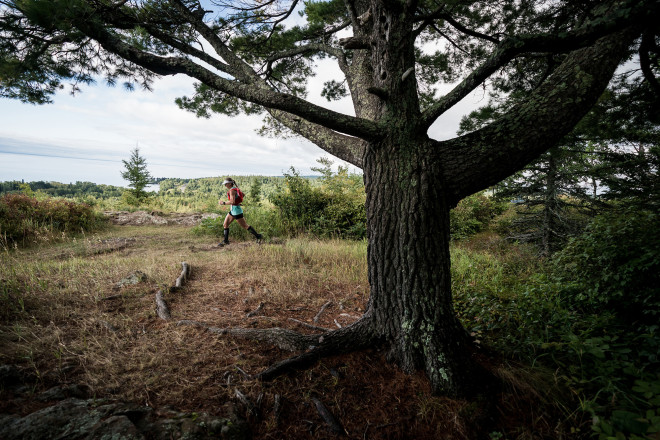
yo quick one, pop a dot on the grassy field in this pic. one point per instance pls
(70, 315)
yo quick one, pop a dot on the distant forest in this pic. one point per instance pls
(56, 189)
(81, 190)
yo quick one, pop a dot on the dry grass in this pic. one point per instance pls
(65, 318)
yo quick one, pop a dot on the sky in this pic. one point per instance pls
(85, 137)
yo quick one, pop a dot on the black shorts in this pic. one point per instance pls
(237, 216)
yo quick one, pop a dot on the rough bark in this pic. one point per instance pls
(409, 271)
(162, 310)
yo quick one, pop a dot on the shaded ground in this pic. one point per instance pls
(98, 330)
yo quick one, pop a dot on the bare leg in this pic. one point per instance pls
(229, 219)
(242, 222)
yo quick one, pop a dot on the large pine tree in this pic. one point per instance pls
(393, 54)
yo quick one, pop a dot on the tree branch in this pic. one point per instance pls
(512, 47)
(239, 69)
(484, 157)
(448, 18)
(247, 91)
(441, 14)
(283, 17)
(346, 148)
(648, 42)
(312, 47)
(188, 49)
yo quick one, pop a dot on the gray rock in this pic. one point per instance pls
(115, 428)
(134, 278)
(77, 419)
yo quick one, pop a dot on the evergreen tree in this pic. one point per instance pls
(136, 174)
(255, 190)
(552, 59)
(550, 200)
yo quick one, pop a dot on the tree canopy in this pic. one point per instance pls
(545, 63)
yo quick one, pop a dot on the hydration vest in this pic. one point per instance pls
(238, 197)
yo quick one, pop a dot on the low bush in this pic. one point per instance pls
(575, 315)
(615, 266)
(473, 214)
(24, 219)
(333, 209)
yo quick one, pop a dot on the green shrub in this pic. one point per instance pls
(299, 204)
(615, 265)
(608, 365)
(472, 215)
(333, 209)
(25, 219)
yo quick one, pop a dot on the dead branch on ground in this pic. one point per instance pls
(318, 315)
(328, 417)
(313, 327)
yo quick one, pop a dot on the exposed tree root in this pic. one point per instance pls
(184, 275)
(352, 338)
(277, 408)
(347, 339)
(313, 327)
(162, 310)
(281, 337)
(255, 311)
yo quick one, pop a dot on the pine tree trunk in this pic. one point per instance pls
(409, 267)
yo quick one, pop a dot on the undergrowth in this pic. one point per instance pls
(522, 308)
(27, 220)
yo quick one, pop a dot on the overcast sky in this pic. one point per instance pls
(85, 138)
